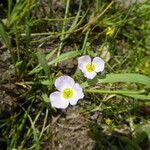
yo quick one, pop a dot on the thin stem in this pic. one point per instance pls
(85, 41)
(64, 27)
(93, 21)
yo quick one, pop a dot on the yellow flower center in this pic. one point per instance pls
(110, 31)
(67, 93)
(90, 67)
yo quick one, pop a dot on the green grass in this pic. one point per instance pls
(42, 37)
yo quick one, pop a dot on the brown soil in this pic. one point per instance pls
(7, 96)
(70, 132)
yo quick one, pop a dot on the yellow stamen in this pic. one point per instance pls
(90, 67)
(108, 121)
(67, 93)
(110, 31)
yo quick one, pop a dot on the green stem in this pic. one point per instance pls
(63, 28)
(85, 41)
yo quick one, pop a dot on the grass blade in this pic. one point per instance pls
(43, 61)
(126, 77)
(127, 92)
(5, 40)
(121, 77)
(65, 56)
(138, 96)
(35, 132)
(4, 37)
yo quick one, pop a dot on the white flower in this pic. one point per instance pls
(68, 92)
(90, 68)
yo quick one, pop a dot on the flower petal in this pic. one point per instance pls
(57, 101)
(90, 75)
(99, 64)
(78, 94)
(77, 88)
(82, 61)
(64, 81)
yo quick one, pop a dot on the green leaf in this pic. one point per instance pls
(19, 11)
(48, 56)
(122, 77)
(49, 83)
(35, 70)
(126, 77)
(65, 56)
(45, 98)
(127, 92)
(43, 62)
(138, 96)
(129, 144)
(6, 40)
(38, 68)
(35, 131)
(28, 33)
(130, 93)
(61, 58)
(46, 82)
(4, 37)
(147, 131)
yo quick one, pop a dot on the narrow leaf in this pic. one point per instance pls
(43, 62)
(126, 77)
(122, 77)
(65, 56)
(4, 37)
(113, 91)
(133, 94)
(45, 98)
(38, 68)
(138, 96)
